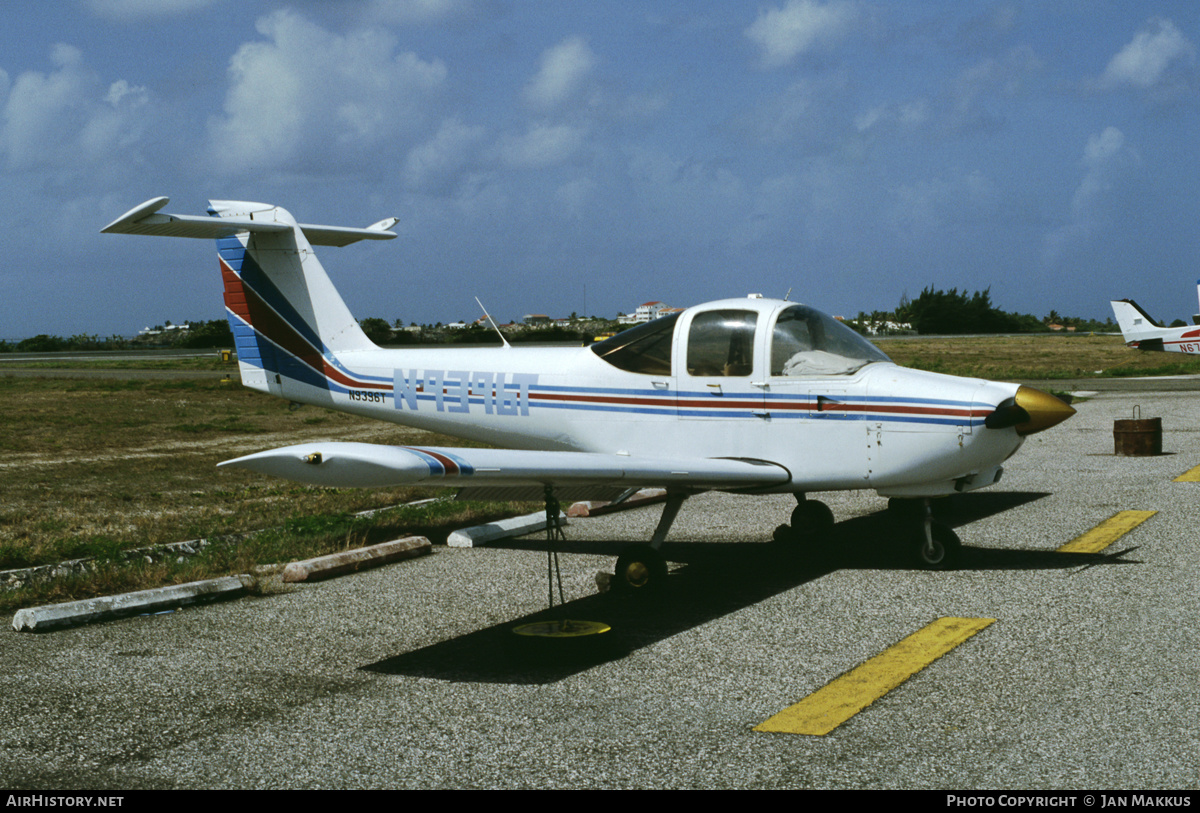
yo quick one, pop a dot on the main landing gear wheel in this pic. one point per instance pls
(640, 570)
(811, 520)
(940, 550)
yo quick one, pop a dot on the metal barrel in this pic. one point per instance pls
(1139, 437)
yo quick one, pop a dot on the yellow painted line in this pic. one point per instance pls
(836, 702)
(1190, 476)
(1107, 532)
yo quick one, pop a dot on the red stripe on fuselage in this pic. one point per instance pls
(723, 403)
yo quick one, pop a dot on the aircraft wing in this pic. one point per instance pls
(366, 465)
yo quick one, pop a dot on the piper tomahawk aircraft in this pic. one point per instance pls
(1143, 333)
(746, 395)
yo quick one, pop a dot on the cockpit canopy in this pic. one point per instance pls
(803, 342)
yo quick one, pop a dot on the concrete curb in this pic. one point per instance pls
(350, 561)
(71, 613)
(647, 496)
(500, 529)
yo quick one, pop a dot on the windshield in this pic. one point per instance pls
(807, 342)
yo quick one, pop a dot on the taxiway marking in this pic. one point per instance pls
(1189, 476)
(838, 701)
(1107, 532)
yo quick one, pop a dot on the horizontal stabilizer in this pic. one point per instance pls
(366, 465)
(233, 217)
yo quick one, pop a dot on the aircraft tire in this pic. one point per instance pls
(811, 519)
(641, 570)
(947, 548)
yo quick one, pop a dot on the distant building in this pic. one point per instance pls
(536, 319)
(646, 312)
(884, 328)
(158, 331)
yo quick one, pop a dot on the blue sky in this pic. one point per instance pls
(552, 156)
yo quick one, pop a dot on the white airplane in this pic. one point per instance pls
(749, 395)
(1143, 333)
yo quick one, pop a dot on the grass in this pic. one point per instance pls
(93, 467)
(298, 537)
(204, 361)
(1033, 357)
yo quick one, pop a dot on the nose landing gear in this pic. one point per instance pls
(937, 546)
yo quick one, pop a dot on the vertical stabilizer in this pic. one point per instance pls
(1136, 324)
(288, 320)
(289, 323)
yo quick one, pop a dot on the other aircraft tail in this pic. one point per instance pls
(1136, 324)
(289, 323)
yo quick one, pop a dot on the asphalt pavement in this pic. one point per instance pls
(409, 676)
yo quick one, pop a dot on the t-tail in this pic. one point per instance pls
(289, 323)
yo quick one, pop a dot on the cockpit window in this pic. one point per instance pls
(642, 349)
(721, 343)
(807, 342)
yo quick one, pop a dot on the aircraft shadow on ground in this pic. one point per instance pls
(708, 580)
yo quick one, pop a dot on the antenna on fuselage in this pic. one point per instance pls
(785, 296)
(492, 322)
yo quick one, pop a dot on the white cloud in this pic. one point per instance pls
(438, 160)
(1142, 63)
(1098, 155)
(68, 118)
(543, 145)
(814, 111)
(1103, 146)
(904, 115)
(309, 96)
(574, 196)
(1106, 156)
(563, 72)
(783, 34)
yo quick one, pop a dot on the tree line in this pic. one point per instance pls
(200, 335)
(952, 312)
(935, 311)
